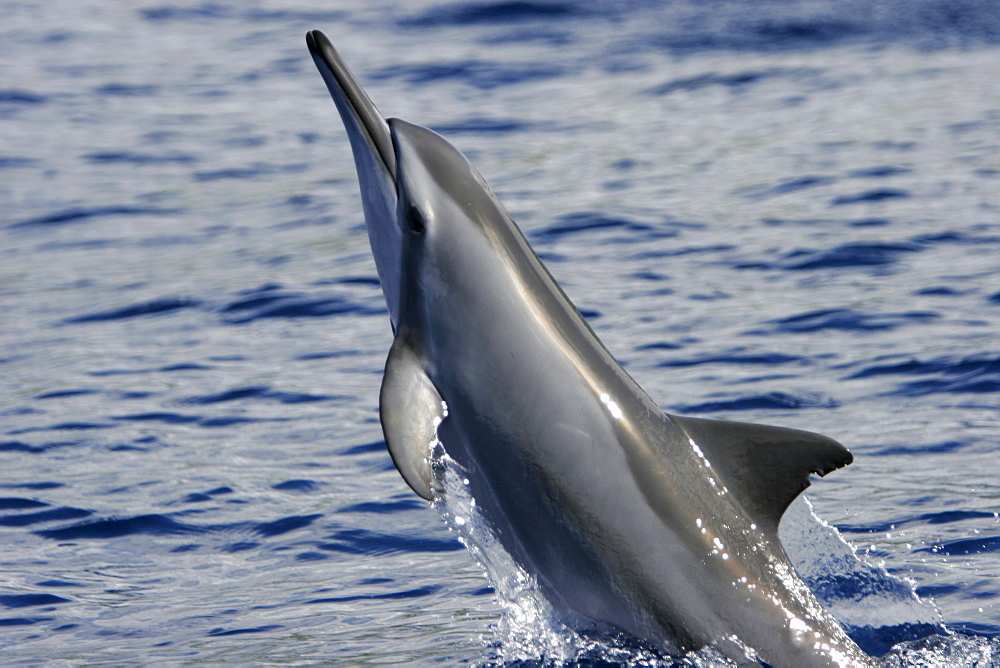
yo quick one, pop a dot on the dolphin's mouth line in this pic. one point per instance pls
(351, 99)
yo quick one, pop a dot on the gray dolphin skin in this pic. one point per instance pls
(661, 526)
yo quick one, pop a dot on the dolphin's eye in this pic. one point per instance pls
(416, 220)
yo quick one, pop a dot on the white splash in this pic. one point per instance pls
(529, 628)
(820, 554)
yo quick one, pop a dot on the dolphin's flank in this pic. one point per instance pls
(659, 525)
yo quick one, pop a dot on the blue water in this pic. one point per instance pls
(775, 212)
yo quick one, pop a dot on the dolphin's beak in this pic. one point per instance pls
(363, 121)
(374, 159)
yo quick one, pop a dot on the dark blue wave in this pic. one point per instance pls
(874, 254)
(13, 96)
(812, 31)
(940, 291)
(383, 507)
(210, 11)
(870, 222)
(195, 497)
(876, 641)
(187, 366)
(59, 394)
(371, 281)
(159, 416)
(32, 485)
(948, 516)
(16, 162)
(956, 237)
(127, 90)
(691, 27)
(766, 359)
(677, 252)
(363, 541)
(263, 393)
(877, 195)
(115, 527)
(333, 354)
(51, 515)
(201, 497)
(478, 74)
(285, 524)
(856, 585)
(77, 215)
(23, 621)
(792, 185)
(18, 446)
(207, 10)
(14, 503)
(879, 172)
(582, 222)
(771, 400)
(253, 171)
(915, 366)
(922, 449)
(304, 486)
(230, 420)
(419, 592)
(964, 547)
(932, 591)
(750, 26)
(974, 385)
(30, 600)
(493, 13)
(59, 583)
(974, 629)
(481, 126)
(155, 524)
(967, 375)
(143, 309)
(271, 302)
(943, 517)
(366, 448)
(660, 345)
(735, 82)
(846, 319)
(64, 426)
(233, 632)
(133, 158)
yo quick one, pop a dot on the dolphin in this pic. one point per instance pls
(632, 519)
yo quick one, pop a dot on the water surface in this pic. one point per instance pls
(785, 214)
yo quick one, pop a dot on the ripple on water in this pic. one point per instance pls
(848, 319)
(76, 215)
(270, 301)
(979, 374)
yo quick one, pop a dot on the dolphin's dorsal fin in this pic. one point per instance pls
(410, 409)
(765, 466)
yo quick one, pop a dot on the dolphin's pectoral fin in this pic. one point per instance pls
(765, 466)
(410, 410)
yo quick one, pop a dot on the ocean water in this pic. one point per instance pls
(777, 212)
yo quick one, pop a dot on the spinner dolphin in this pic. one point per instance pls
(662, 526)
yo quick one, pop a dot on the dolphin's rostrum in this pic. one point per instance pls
(658, 525)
